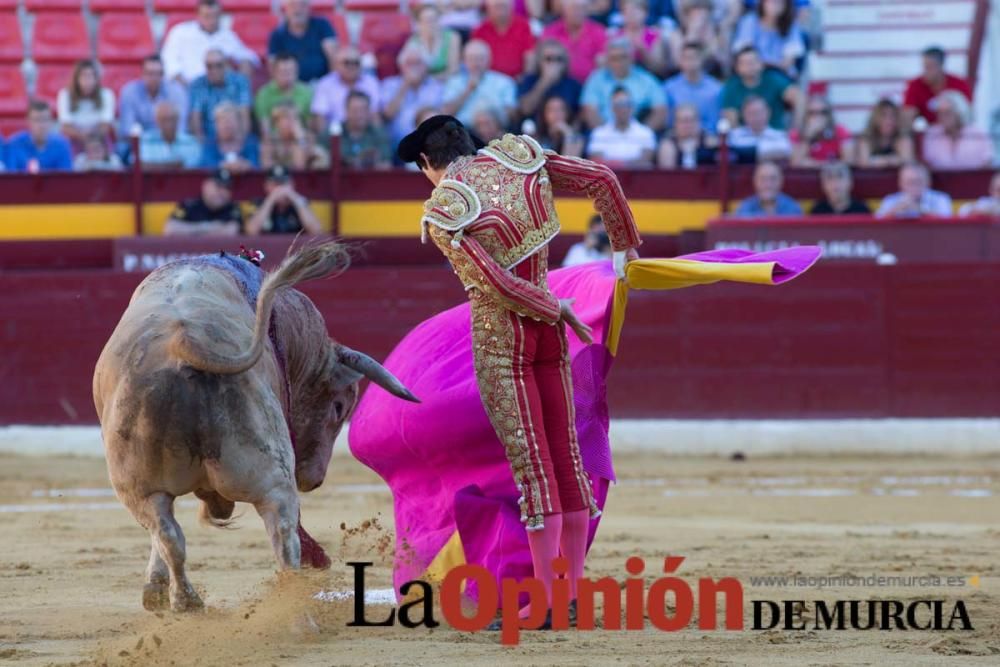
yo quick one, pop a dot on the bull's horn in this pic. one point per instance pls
(375, 372)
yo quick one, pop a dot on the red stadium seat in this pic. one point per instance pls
(380, 6)
(60, 37)
(232, 6)
(384, 35)
(124, 37)
(340, 29)
(13, 92)
(11, 46)
(53, 5)
(254, 28)
(8, 4)
(173, 18)
(116, 75)
(51, 79)
(101, 6)
(11, 125)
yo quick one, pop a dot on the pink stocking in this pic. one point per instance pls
(575, 527)
(544, 545)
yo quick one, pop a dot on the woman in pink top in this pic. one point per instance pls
(583, 38)
(648, 49)
(952, 143)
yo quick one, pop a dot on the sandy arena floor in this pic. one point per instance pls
(72, 561)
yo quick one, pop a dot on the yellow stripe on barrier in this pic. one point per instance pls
(66, 221)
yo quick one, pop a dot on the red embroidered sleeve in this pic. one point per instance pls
(600, 183)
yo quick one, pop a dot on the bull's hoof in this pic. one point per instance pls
(155, 597)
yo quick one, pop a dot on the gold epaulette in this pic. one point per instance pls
(451, 206)
(519, 153)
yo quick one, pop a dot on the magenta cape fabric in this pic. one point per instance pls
(441, 458)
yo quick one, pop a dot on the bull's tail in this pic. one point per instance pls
(314, 261)
(215, 511)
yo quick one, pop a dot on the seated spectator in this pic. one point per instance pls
(687, 145)
(583, 38)
(692, 85)
(214, 213)
(985, 206)
(771, 30)
(648, 49)
(95, 155)
(329, 104)
(819, 139)
(441, 47)
(915, 197)
(219, 85)
(283, 88)
(624, 141)
(487, 123)
(835, 179)
(595, 246)
(139, 98)
(412, 89)
(478, 86)
(231, 146)
(363, 144)
(166, 145)
(697, 26)
(85, 107)
(921, 91)
(554, 129)
(757, 141)
(282, 210)
(508, 36)
(308, 39)
(750, 78)
(187, 45)
(289, 144)
(886, 141)
(39, 148)
(952, 142)
(768, 199)
(649, 102)
(550, 78)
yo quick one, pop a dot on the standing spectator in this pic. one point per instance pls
(985, 206)
(623, 141)
(915, 197)
(551, 78)
(441, 47)
(750, 78)
(757, 141)
(282, 210)
(819, 138)
(555, 129)
(412, 89)
(595, 246)
(166, 145)
(645, 91)
(140, 97)
(952, 142)
(886, 141)
(85, 107)
(363, 144)
(583, 38)
(231, 146)
(697, 26)
(329, 104)
(283, 88)
(508, 36)
(308, 39)
(648, 49)
(687, 145)
(214, 213)
(921, 91)
(487, 123)
(772, 31)
(39, 148)
(692, 85)
(768, 199)
(218, 85)
(289, 144)
(187, 45)
(478, 86)
(835, 179)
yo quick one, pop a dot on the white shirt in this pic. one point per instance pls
(626, 145)
(87, 116)
(580, 253)
(186, 44)
(771, 144)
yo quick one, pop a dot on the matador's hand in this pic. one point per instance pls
(567, 315)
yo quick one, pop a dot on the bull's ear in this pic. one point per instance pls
(374, 371)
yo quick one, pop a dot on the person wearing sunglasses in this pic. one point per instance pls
(819, 139)
(549, 78)
(329, 104)
(217, 86)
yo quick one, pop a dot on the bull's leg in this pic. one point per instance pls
(169, 541)
(154, 593)
(280, 512)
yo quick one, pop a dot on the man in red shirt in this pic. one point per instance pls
(923, 89)
(509, 37)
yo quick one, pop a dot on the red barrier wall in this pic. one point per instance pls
(860, 340)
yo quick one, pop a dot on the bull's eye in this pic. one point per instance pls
(339, 411)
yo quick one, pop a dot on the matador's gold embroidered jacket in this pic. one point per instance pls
(492, 215)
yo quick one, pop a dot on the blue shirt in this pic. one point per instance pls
(205, 97)
(307, 49)
(704, 95)
(783, 205)
(154, 150)
(55, 155)
(136, 106)
(566, 88)
(211, 157)
(645, 90)
(429, 94)
(495, 90)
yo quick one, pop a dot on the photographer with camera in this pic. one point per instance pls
(594, 247)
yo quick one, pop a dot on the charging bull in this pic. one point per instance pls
(221, 381)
